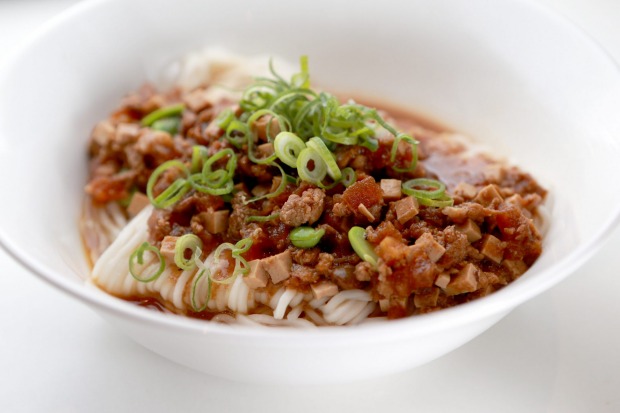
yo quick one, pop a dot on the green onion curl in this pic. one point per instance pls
(218, 178)
(197, 181)
(219, 181)
(216, 259)
(138, 257)
(242, 246)
(170, 125)
(319, 171)
(281, 187)
(433, 188)
(283, 125)
(414, 152)
(259, 218)
(173, 193)
(287, 147)
(302, 79)
(187, 241)
(224, 118)
(199, 155)
(196, 286)
(237, 133)
(165, 112)
(328, 157)
(241, 265)
(442, 201)
(349, 177)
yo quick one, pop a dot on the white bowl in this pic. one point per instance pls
(513, 75)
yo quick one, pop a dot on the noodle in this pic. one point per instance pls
(299, 212)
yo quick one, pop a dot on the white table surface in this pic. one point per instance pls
(557, 353)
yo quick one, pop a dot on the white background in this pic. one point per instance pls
(558, 353)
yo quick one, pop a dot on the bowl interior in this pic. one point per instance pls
(513, 76)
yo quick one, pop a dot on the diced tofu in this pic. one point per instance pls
(217, 221)
(324, 289)
(492, 248)
(466, 281)
(103, 133)
(139, 201)
(257, 278)
(197, 100)
(267, 125)
(433, 249)
(364, 211)
(399, 302)
(278, 266)
(168, 247)
(516, 267)
(406, 209)
(392, 250)
(127, 132)
(384, 304)
(465, 190)
(494, 173)
(391, 189)
(442, 280)
(487, 195)
(427, 299)
(471, 230)
(265, 150)
(363, 271)
(260, 190)
(275, 183)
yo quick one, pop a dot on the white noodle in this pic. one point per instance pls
(283, 303)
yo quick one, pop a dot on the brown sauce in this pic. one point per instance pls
(484, 242)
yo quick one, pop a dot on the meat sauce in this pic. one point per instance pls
(437, 258)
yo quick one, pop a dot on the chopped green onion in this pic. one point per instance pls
(259, 218)
(328, 157)
(216, 260)
(237, 133)
(433, 193)
(442, 201)
(368, 142)
(220, 181)
(342, 138)
(242, 246)
(165, 112)
(349, 177)
(302, 79)
(306, 237)
(224, 118)
(241, 265)
(282, 125)
(287, 147)
(174, 192)
(187, 241)
(414, 152)
(319, 168)
(197, 181)
(411, 188)
(196, 286)
(138, 256)
(170, 125)
(199, 155)
(357, 238)
(231, 166)
(281, 187)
